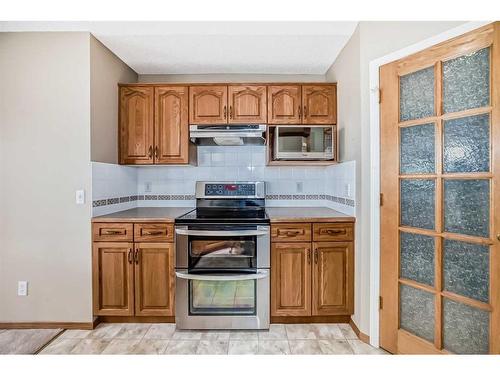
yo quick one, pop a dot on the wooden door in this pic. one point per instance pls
(208, 105)
(319, 104)
(247, 104)
(291, 279)
(284, 104)
(113, 278)
(440, 169)
(154, 279)
(171, 125)
(333, 278)
(136, 125)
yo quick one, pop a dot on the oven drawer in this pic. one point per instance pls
(154, 233)
(333, 232)
(290, 232)
(113, 232)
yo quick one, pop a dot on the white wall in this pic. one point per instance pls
(191, 78)
(45, 238)
(351, 72)
(106, 71)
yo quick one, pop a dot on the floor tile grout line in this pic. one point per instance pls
(49, 342)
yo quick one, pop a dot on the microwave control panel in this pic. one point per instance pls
(229, 190)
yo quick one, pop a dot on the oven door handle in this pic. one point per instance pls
(221, 233)
(261, 274)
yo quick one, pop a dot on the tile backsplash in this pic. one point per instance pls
(331, 186)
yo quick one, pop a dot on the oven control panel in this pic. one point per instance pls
(229, 190)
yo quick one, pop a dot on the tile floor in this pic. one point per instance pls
(131, 338)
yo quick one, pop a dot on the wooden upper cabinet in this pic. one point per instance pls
(113, 278)
(247, 104)
(154, 279)
(136, 125)
(291, 279)
(171, 125)
(333, 278)
(319, 104)
(208, 105)
(284, 104)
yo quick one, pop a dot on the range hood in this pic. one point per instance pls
(227, 135)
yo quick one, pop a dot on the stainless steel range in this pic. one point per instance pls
(223, 258)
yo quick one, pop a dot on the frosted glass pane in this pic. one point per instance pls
(467, 144)
(417, 257)
(417, 203)
(467, 269)
(416, 92)
(466, 81)
(465, 328)
(467, 207)
(417, 149)
(416, 312)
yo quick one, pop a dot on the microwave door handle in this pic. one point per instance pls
(221, 233)
(261, 274)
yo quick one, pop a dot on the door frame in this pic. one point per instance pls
(374, 66)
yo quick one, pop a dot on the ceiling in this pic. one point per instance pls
(214, 47)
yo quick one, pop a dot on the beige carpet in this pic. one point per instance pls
(25, 341)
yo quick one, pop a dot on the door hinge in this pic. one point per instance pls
(380, 96)
(381, 199)
(380, 303)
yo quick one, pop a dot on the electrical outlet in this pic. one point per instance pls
(300, 187)
(22, 288)
(347, 190)
(80, 197)
(148, 187)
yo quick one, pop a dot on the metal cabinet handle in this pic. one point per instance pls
(300, 111)
(150, 152)
(316, 256)
(112, 232)
(305, 111)
(153, 233)
(290, 233)
(332, 231)
(230, 111)
(129, 256)
(136, 256)
(156, 152)
(225, 112)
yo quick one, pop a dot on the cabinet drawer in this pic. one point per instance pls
(114, 232)
(153, 233)
(290, 232)
(333, 232)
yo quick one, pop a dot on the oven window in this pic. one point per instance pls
(222, 297)
(213, 253)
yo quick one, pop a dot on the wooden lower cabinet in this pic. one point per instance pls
(113, 278)
(333, 278)
(312, 279)
(154, 282)
(291, 279)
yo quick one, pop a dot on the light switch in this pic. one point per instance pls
(80, 197)
(22, 288)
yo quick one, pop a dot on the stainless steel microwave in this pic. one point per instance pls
(298, 142)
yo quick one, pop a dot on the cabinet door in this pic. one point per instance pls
(154, 279)
(171, 125)
(247, 104)
(291, 279)
(208, 105)
(333, 278)
(136, 125)
(284, 105)
(113, 278)
(319, 104)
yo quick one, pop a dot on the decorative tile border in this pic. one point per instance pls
(189, 197)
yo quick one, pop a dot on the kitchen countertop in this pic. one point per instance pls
(276, 215)
(300, 214)
(156, 214)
